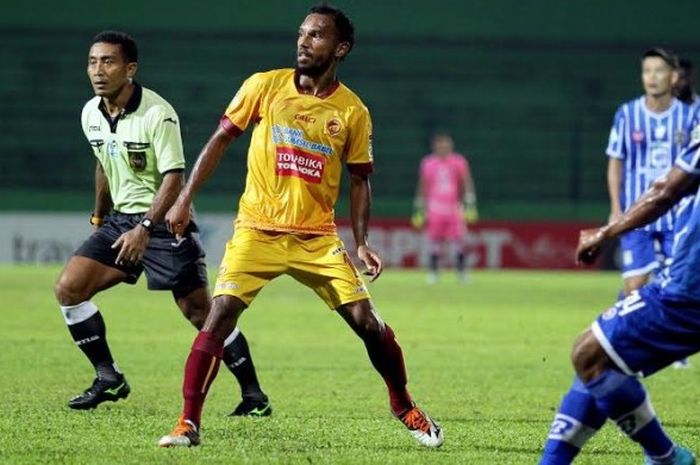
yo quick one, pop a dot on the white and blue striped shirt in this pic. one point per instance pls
(648, 143)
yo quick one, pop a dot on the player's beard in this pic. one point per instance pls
(315, 70)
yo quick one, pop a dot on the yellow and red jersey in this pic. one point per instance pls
(297, 151)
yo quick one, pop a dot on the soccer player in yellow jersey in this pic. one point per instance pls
(307, 125)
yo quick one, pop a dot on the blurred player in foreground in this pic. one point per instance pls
(135, 136)
(647, 135)
(685, 85)
(307, 125)
(642, 334)
(445, 202)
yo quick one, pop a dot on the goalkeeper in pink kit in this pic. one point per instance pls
(445, 202)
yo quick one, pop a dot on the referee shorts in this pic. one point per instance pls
(169, 265)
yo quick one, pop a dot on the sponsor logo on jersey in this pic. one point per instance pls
(305, 118)
(297, 138)
(333, 127)
(94, 128)
(292, 161)
(97, 143)
(638, 136)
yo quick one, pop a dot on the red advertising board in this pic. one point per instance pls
(491, 244)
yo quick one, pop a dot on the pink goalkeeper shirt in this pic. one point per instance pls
(443, 180)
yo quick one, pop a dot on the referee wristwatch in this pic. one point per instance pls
(147, 224)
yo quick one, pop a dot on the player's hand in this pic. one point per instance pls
(417, 219)
(178, 217)
(132, 245)
(590, 242)
(371, 260)
(471, 214)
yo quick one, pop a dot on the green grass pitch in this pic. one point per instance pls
(488, 359)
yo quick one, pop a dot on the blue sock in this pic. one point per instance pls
(624, 400)
(576, 421)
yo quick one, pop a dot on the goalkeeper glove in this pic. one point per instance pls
(417, 219)
(471, 216)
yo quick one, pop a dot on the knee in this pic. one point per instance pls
(68, 292)
(588, 357)
(223, 316)
(195, 313)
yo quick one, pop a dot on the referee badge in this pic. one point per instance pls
(137, 161)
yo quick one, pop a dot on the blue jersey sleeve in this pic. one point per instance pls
(689, 160)
(616, 141)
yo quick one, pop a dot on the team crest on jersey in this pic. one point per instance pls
(660, 132)
(638, 136)
(333, 127)
(113, 149)
(680, 137)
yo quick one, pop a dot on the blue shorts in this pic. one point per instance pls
(644, 251)
(646, 332)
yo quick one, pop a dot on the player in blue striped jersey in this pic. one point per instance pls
(685, 92)
(648, 134)
(640, 335)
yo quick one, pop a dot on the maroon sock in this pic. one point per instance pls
(387, 358)
(200, 371)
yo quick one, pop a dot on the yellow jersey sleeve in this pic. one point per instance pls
(359, 157)
(245, 106)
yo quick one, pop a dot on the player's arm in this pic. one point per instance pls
(663, 194)
(616, 152)
(178, 217)
(103, 197)
(470, 211)
(418, 216)
(360, 205)
(614, 187)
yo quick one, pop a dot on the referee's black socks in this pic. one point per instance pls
(87, 327)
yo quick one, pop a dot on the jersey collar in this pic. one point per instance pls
(131, 106)
(323, 95)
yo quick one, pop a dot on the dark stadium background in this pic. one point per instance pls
(528, 89)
